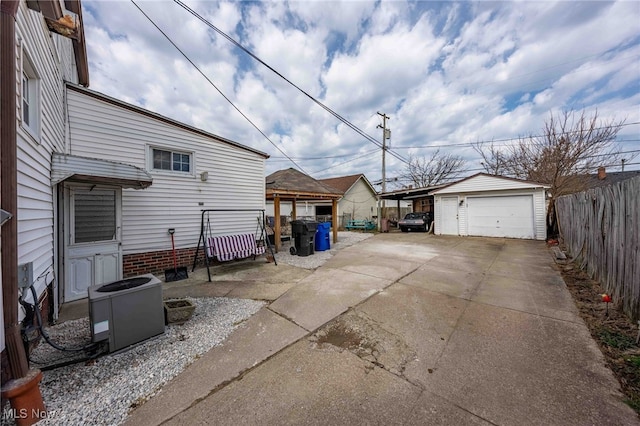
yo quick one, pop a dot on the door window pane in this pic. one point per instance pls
(95, 216)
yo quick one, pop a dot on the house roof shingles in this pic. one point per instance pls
(593, 181)
(293, 182)
(342, 183)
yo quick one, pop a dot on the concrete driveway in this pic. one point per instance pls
(406, 329)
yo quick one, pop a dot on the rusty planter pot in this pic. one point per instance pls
(26, 401)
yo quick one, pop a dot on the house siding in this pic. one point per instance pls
(540, 213)
(358, 201)
(52, 57)
(102, 130)
(437, 215)
(463, 216)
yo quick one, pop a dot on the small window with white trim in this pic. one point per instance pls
(172, 161)
(30, 98)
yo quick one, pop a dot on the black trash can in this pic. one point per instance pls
(304, 232)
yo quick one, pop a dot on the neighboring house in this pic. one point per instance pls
(304, 209)
(491, 206)
(602, 178)
(359, 201)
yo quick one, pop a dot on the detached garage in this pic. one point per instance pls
(491, 206)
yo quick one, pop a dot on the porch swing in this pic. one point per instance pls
(225, 248)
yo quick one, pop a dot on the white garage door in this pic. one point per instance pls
(509, 216)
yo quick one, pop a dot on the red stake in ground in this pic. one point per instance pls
(606, 299)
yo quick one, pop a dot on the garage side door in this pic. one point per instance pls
(509, 216)
(449, 216)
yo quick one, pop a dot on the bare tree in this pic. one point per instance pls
(494, 161)
(571, 145)
(424, 172)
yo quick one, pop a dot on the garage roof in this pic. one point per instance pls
(487, 182)
(409, 193)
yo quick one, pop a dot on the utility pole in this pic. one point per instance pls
(385, 136)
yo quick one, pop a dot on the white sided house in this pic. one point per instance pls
(359, 202)
(100, 182)
(491, 206)
(43, 46)
(44, 61)
(113, 229)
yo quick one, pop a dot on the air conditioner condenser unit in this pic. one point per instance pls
(127, 311)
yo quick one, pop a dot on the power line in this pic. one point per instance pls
(326, 157)
(313, 99)
(216, 87)
(340, 164)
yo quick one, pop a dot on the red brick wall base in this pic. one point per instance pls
(156, 262)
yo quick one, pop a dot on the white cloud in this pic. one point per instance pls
(446, 73)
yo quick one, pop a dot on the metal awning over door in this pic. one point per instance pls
(94, 170)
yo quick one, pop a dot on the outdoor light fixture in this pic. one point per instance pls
(204, 176)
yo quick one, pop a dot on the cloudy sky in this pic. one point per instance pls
(447, 74)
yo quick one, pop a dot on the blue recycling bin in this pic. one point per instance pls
(323, 241)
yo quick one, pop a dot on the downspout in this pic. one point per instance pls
(22, 390)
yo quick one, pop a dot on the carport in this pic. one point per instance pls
(293, 186)
(420, 199)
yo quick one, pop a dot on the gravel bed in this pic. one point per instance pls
(345, 239)
(103, 391)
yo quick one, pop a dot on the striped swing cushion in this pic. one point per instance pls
(230, 247)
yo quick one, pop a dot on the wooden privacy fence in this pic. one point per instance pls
(601, 229)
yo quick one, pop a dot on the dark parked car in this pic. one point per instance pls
(417, 221)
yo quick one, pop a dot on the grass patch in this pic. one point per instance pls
(615, 340)
(634, 360)
(633, 403)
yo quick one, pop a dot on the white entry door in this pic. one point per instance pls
(449, 216)
(93, 249)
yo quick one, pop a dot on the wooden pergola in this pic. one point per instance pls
(290, 185)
